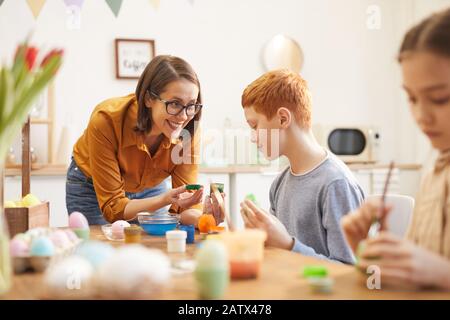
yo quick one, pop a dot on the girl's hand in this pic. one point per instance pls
(356, 224)
(184, 199)
(403, 264)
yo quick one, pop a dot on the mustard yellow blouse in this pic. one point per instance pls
(430, 226)
(118, 161)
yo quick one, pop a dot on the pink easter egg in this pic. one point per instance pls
(118, 226)
(71, 235)
(60, 239)
(18, 248)
(78, 221)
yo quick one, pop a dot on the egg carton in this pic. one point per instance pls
(34, 263)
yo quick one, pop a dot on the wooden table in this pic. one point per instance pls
(279, 279)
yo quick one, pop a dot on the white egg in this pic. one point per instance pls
(70, 278)
(134, 272)
(60, 239)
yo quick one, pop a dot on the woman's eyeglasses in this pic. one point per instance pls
(174, 108)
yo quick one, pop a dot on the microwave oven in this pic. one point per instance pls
(352, 144)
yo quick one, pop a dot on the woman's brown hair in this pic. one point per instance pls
(157, 75)
(432, 34)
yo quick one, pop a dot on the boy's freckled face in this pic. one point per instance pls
(426, 79)
(265, 133)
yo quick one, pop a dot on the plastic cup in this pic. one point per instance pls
(245, 251)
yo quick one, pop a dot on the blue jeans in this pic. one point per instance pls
(81, 196)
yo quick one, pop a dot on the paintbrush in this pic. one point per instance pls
(376, 225)
(218, 196)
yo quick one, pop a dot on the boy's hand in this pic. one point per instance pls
(184, 199)
(356, 224)
(212, 206)
(403, 264)
(254, 217)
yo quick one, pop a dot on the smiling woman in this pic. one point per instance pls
(122, 160)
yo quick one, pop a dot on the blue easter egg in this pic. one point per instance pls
(42, 247)
(96, 252)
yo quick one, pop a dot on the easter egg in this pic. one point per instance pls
(18, 247)
(77, 220)
(96, 252)
(117, 228)
(24, 237)
(71, 235)
(42, 247)
(38, 232)
(212, 255)
(60, 239)
(82, 233)
(10, 204)
(212, 270)
(30, 200)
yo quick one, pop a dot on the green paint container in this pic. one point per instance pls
(219, 186)
(193, 187)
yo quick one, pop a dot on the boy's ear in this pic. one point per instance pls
(284, 117)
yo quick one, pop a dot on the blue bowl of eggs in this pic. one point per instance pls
(157, 224)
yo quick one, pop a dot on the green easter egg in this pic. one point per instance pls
(82, 233)
(212, 284)
(212, 271)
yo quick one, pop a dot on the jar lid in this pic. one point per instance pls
(186, 227)
(176, 234)
(315, 272)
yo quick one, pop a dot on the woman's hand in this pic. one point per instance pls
(403, 264)
(254, 217)
(356, 224)
(180, 197)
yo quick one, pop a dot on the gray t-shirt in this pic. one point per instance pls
(311, 206)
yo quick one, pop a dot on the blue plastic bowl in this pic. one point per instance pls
(157, 225)
(158, 229)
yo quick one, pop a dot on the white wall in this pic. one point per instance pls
(352, 71)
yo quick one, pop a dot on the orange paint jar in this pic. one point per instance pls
(245, 252)
(206, 223)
